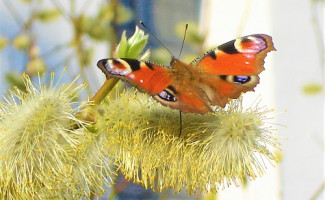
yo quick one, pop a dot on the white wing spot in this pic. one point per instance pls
(257, 44)
(119, 71)
(131, 76)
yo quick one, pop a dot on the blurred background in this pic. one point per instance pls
(39, 36)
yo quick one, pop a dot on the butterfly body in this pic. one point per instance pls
(221, 74)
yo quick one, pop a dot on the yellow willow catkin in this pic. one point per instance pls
(45, 151)
(213, 151)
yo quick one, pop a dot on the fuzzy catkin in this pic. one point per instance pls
(213, 150)
(45, 151)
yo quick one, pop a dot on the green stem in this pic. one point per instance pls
(318, 192)
(104, 90)
(318, 31)
(110, 83)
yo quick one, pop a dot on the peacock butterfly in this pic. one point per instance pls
(213, 78)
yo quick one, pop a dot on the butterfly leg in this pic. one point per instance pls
(180, 123)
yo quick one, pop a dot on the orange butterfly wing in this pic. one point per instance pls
(146, 76)
(243, 56)
(163, 83)
(233, 67)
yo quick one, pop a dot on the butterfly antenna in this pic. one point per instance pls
(180, 123)
(186, 26)
(144, 26)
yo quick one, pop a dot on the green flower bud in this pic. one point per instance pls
(107, 12)
(36, 66)
(145, 55)
(312, 88)
(13, 79)
(132, 47)
(85, 23)
(123, 14)
(27, 1)
(21, 42)
(3, 42)
(48, 15)
(34, 51)
(122, 48)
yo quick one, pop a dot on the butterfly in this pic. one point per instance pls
(212, 79)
